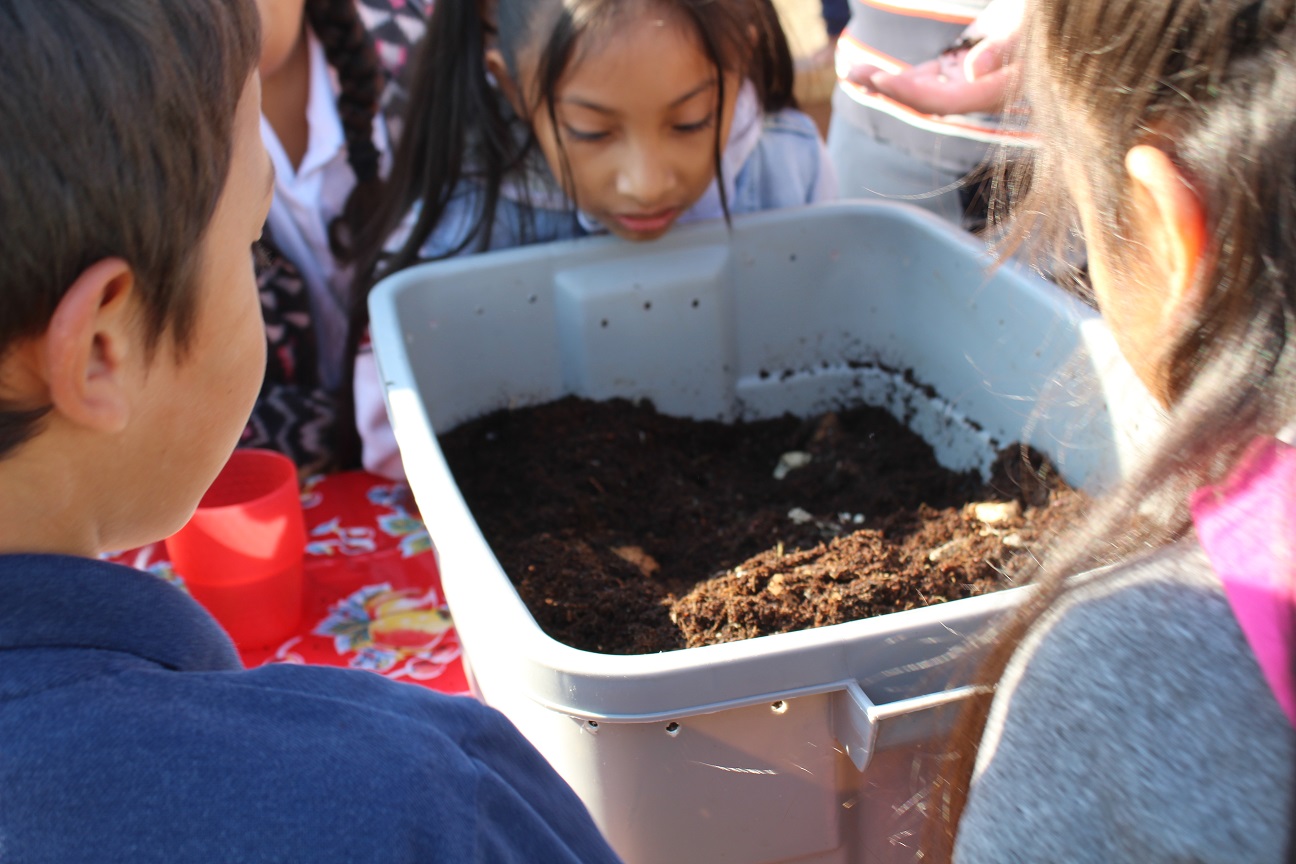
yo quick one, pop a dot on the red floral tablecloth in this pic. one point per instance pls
(373, 595)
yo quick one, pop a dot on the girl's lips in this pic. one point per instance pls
(647, 223)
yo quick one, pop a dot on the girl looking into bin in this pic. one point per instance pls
(1142, 710)
(582, 117)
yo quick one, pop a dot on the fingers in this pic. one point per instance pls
(862, 75)
(961, 82)
(932, 92)
(982, 59)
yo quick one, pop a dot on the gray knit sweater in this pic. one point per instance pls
(1134, 725)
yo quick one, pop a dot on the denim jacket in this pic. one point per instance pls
(770, 161)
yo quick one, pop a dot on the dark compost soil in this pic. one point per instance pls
(628, 532)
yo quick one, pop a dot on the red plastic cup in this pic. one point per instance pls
(241, 553)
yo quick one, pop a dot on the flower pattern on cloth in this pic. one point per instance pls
(333, 538)
(373, 597)
(395, 632)
(400, 523)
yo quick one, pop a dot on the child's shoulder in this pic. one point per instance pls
(152, 704)
(522, 216)
(788, 166)
(1149, 648)
(362, 701)
(791, 122)
(354, 759)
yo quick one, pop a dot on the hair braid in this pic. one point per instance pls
(352, 55)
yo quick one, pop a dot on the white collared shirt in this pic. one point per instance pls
(308, 198)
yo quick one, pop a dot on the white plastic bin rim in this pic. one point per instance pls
(510, 305)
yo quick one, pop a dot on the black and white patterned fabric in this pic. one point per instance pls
(396, 26)
(294, 414)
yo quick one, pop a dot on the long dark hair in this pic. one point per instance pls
(460, 127)
(350, 51)
(1213, 84)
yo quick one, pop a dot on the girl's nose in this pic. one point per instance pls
(645, 177)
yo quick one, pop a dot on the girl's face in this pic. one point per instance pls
(281, 28)
(637, 112)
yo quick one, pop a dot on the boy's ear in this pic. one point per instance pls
(91, 340)
(498, 69)
(1171, 221)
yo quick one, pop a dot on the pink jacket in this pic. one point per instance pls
(1247, 525)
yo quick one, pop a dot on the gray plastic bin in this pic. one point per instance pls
(801, 746)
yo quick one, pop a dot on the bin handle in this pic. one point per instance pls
(855, 719)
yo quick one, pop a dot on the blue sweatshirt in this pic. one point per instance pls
(130, 732)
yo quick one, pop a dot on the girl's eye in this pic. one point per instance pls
(704, 123)
(578, 135)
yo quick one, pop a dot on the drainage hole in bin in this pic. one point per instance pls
(603, 323)
(480, 311)
(672, 728)
(779, 707)
(532, 298)
(647, 305)
(696, 303)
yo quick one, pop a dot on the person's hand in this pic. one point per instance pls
(972, 75)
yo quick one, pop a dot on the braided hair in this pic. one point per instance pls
(350, 51)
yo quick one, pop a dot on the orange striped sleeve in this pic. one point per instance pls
(947, 13)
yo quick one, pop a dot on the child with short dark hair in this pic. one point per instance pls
(133, 184)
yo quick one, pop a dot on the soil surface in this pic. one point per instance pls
(628, 532)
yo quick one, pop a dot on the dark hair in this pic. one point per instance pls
(116, 129)
(459, 126)
(1212, 84)
(350, 51)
